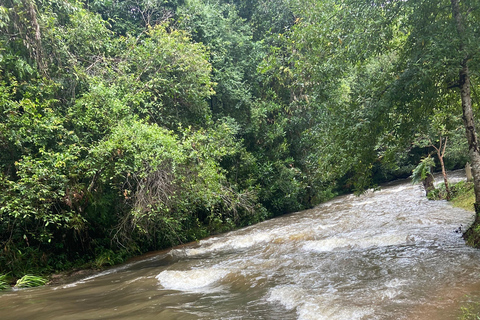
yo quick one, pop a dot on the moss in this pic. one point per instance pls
(472, 236)
(464, 197)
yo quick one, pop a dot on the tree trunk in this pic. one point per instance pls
(445, 179)
(468, 119)
(441, 153)
(469, 123)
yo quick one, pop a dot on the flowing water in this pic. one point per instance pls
(389, 254)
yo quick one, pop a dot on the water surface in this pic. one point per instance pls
(389, 254)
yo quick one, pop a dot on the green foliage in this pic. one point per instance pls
(169, 77)
(463, 195)
(133, 17)
(28, 281)
(233, 54)
(438, 193)
(161, 179)
(375, 90)
(107, 257)
(423, 169)
(254, 97)
(80, 168)
(3, 282)
(470, 311)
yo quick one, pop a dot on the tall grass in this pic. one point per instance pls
(29, 281)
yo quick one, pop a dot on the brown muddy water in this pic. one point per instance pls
(389, 254)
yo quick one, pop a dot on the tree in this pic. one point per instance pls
(255, 95)
(443, 127)
(431, 52)
(133, 16)
(167, 76)
(89, 149)
(465, 31)
(233, 54)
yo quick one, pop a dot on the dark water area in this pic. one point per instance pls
(388, 254)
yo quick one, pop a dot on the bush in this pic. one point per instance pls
(458, 190)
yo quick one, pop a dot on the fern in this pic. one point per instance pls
(423, 169)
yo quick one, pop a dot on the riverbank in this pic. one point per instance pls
(469, 308)
(464, 197)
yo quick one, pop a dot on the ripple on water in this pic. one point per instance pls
(315, 306)
(339, 243)
(234, 243)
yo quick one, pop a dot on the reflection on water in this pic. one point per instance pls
(389, 254)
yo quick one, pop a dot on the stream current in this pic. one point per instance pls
(388, 254)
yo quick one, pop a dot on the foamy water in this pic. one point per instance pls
(190, 280)
(220, 244)
(312, 307)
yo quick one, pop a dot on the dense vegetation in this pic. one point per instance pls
(133, 125)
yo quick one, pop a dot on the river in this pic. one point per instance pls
(388, 254)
